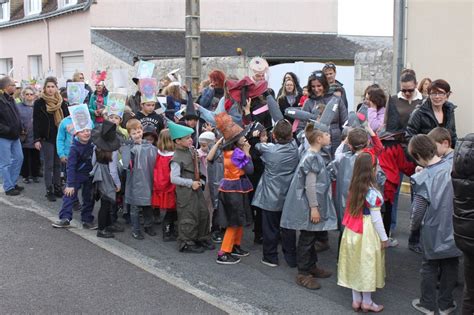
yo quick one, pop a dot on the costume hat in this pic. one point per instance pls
(81, 118)
(258, 65)
(190, 110)
(150, 130)
(231, 131)
(178, 131)
(105, 136)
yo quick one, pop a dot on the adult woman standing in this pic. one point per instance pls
(318, 98)
(435, 111)
(98, 102)
(290, 76)
(290, 96)
(48, 111)
(31, 162)
(423, 87)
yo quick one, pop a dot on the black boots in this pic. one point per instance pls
(50, 194)
(168, 233)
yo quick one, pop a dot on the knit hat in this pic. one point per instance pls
(178, 131)
(207, 136)
(105, 136)
(229, 129)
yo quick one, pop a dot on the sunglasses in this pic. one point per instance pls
(330, 65)
(407, 90)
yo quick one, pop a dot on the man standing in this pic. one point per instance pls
(335, 86)
(11, 157)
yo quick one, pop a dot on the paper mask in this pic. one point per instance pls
(148, 89)
(145, 69)
(81, 117)
(116, 104)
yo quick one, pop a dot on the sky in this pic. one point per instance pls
(365, 17)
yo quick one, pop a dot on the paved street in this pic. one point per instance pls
(47, 270)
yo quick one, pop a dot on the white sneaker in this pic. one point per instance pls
(449, 310)
(416, 304)
(392, 242)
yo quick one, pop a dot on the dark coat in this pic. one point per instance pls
(423, 120)
(26, 115)
(10, 122)
(44, 128)
(463, 184)
(284, 104)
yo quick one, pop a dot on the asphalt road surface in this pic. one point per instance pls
(46, 270)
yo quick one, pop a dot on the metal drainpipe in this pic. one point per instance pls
(46, 22)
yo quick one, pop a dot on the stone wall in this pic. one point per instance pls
(372, 65)
(102, 60)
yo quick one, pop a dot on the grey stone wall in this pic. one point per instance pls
(102, 60)
(372, 65)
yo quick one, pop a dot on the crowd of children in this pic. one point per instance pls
(212, 170)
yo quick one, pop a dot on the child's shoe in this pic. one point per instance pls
(371, 308)
(268, 262)
(450, 310)
(150, 231)
(239, 252)
(307, 281)
(192, 248)
(392, 242)
(227, 259)
(216, 237)
(105, 234)
(168, 233)
(417, 305)
(320, 272)
(356, 305)
(138, 235)
(63, 223)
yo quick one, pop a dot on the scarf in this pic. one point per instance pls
(53, 106)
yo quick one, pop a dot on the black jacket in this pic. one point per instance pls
(44, 128)
(10, 121)
(463, 184)
(284, 104)
(423, 120)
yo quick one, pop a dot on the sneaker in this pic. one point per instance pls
(416, 304)
(268, 263)
(216, 237)
(105, 234)
(138, 235)
(208, 245)
(415, 248)
(449, 310)
(12, 192)
(19, 188)
(63, 223)
(168, 234)
(89, 226)
(26, 180)
(392, 242)
(239, 252)
(36, 180)
(321, 246)
(227, 259)
(150, 231)
(192, 248)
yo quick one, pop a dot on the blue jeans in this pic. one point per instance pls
(87, 202)
(395, 204)
(11, 159)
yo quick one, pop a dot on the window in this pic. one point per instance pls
(36, 66)
(66, 3)
(32, 7)
(6, 66)
(72, 62)
(4, 11)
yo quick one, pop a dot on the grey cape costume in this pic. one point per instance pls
(296, 211)
(437, 234)
(273, 185)
(139, 161)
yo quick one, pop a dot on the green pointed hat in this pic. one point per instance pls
(178, 131)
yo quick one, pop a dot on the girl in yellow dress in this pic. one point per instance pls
(361, 264)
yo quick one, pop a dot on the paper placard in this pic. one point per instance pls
(76, 92)
(145, 69)
(119, 79)
(116, 104)
(81, 118)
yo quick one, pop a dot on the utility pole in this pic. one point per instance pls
(193, 46)
(398, 42)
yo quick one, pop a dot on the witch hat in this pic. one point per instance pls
(178, 131)
(105, 136)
